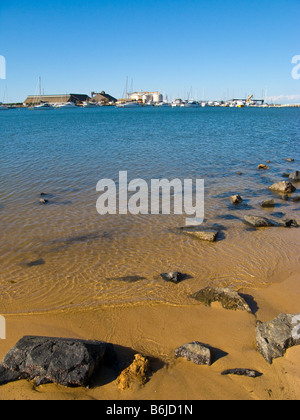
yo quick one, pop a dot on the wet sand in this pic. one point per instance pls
(156, 330)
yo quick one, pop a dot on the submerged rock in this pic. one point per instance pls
(127, 279)
(262, 166)
(296, 199)
(196, 352)
(283, 187)
(275, 337)
(229, 298)
(64, 361)
(136, 374)
(236, 199)
(242, 372)
(36, 263)
(268, 203)
(295, 176)
(258, 221)
(202, 233)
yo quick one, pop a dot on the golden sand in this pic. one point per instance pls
(156, 330)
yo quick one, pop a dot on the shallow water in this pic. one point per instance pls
(65, 255)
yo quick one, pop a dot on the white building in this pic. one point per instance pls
(146, 97)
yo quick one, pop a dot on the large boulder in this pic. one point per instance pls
(283, 187)
(275, 337)
(229, 298)
(64, 361)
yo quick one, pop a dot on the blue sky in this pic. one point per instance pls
(206, 47)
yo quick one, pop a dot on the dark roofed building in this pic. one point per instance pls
(102, 97)
(57, 99)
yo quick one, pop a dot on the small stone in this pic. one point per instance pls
(296, 199)
(236, 199)
(258, 221)
(174, 277)
(229, 298)
(136, 374)
(262, 166)
(43, 201)
(204, 234)
(195, 352)
(250, 373)
(268, 203)
(289, 223)
(283, 187)
(295, 176)
(290, 160)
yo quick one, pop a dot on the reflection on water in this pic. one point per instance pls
(63, 254)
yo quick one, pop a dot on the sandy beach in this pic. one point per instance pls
(156, 330)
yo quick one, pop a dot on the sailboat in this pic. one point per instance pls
(38, 104)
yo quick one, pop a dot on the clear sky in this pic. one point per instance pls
(211, 48)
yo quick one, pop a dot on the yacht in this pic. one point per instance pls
(190, 104)
(67, 105)
(3, 107)
(43, 106)
(88, 104)
(129, 105)
(164, 103)
(176, 103)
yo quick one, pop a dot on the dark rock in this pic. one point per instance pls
(295, 176)
(283, 187)
(268, 203)
(174, 277)
(296, 199)
(196, 352)
(64, 361)
(258, 221)
(242, 372)
(230, 299)
(289, 223)
(286, 175)
(275, 337)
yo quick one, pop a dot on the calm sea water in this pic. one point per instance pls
(64, 254)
